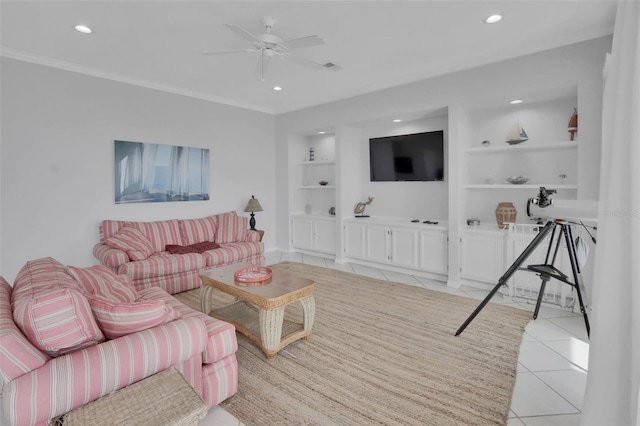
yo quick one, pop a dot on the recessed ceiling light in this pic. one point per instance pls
(493, 19)
(516, 101)
(83, 29)
(321, 132)
(397, 120)
(277, 88)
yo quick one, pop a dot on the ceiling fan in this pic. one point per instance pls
(269, 45)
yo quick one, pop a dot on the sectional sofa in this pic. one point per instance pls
(170, 254)
(71, 335)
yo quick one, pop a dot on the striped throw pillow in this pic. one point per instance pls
(17, 355)
(57, 321)
(133, 242)
(101, 281)
(231, 228)
(120, 319)
(198, 230)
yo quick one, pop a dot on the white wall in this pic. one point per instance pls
(58, 129)
(578, 65)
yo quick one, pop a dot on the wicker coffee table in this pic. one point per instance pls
(258, 312)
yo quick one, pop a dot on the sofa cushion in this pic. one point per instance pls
(101, 281)
(231, 228)
(17, 355)
(132, 241)
(50, 309)
(57, 321)
(40, 275)
(198, 230)
(109, 228)
(120, 319)
(109, 256)
(160, 233)
(163, 263)
(193, 248)
(222, 340)
(232, 253)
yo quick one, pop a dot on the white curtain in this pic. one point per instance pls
(613, 383)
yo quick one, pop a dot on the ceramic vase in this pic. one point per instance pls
(505, 213)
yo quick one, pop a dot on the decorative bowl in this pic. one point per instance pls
(517, 180)
(252, 274)
(323, 182)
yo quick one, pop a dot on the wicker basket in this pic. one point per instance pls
(162, 399)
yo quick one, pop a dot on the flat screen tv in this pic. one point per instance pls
(414, 157)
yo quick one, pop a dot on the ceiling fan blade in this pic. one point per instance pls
(263, 64)
(223, 52)
(307, 63)
(242, 32)
(308, 41)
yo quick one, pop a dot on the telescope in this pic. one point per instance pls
(544, 207)
(558, 214)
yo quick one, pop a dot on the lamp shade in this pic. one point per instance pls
(253, 205)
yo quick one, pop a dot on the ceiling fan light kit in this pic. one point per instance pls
(269, 45)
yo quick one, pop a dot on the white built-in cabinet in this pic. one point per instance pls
(388, 243)
(312, 233)
(313, 227)
(476, 182)
(482, 255)
(433, 251)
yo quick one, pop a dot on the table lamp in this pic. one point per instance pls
(253, 206)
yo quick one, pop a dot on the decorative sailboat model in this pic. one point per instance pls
(516, 134)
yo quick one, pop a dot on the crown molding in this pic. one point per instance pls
(94, 72)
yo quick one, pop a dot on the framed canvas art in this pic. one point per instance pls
(149, 173)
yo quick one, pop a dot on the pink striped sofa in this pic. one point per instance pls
(54, 357)
(139, 249)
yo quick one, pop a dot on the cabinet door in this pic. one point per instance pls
(377, 243)
(354, 240)
(434, 250)
(325, 236)
(302, 233)
(481, 257)
(404, 247)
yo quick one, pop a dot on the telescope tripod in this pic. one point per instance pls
(545, 271)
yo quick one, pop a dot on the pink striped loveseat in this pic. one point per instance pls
(139, 249)
(54, 357)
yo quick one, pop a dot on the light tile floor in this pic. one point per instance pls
(552, 367)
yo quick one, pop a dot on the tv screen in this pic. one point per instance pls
(415, 157)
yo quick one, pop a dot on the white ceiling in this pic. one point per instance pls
(377, 44)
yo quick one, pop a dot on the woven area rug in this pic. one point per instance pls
(382, 353)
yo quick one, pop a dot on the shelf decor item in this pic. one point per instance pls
(253, 206)
(359, 209)
(311, 154)
(516, 134)
(562, 177)
(573, 123)
(517, 180)
(253, 274)
(332, 211)
(505, 213)
(323, 183)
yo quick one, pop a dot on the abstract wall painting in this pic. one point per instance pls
(151, 173)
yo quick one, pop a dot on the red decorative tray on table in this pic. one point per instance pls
(253, 274)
